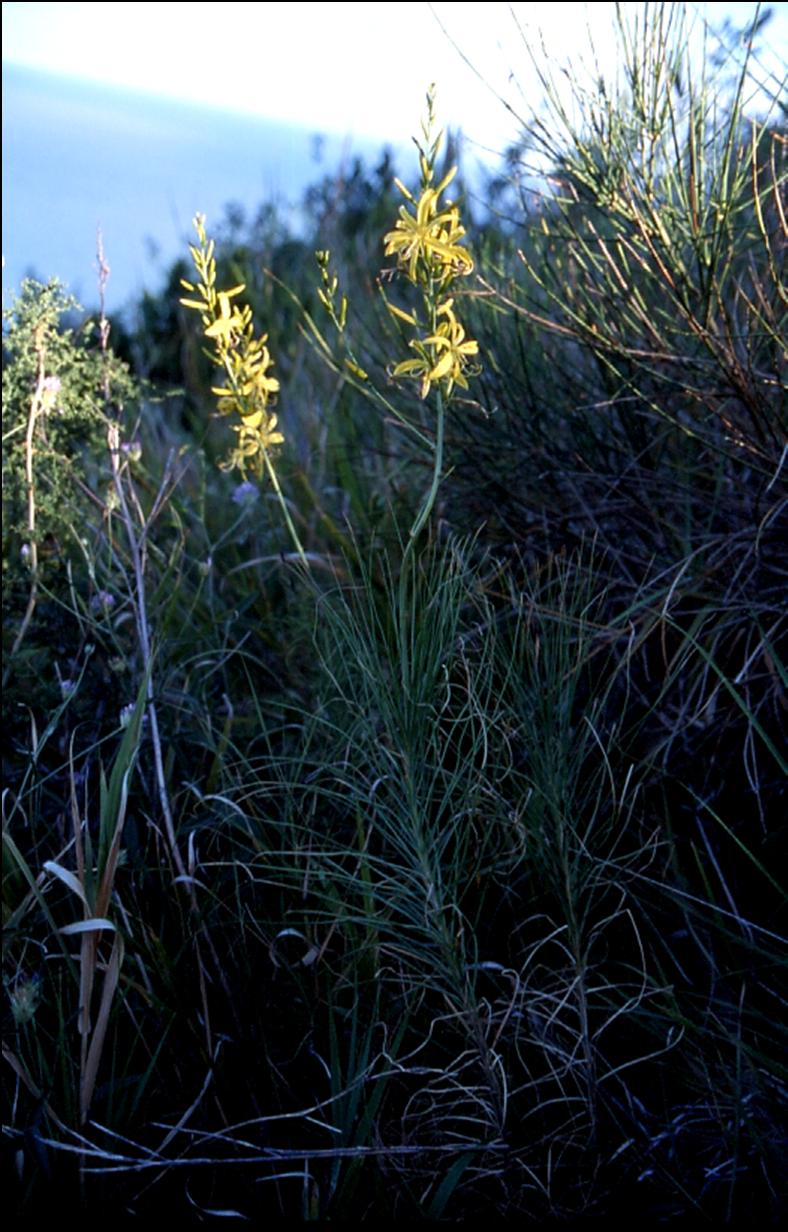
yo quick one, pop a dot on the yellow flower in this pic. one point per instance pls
(427, 242)
(256, 432)
(442, 356)
(229, 325)
(245, 361)
(258, 385)
(431, 235)
(257, 435)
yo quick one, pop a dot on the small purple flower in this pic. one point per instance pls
(102, 601)
(132, 450)
(246, 493)
(66, 687)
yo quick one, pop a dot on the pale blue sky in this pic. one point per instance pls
(358, 69)
(140, 167)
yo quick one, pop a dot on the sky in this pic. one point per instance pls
(356, 74)
(358, 69)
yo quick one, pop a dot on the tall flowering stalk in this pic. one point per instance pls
(427, 242)
(249, 390)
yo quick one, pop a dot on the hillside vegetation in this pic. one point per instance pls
(394, 813)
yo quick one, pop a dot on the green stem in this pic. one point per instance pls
(406, 622)
(35, 411)
(280, 497)
(427, 507)
(269, 467)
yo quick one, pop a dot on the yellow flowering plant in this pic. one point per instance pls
(249, 390)
(441, 356)
(427, 242)
(245, 361)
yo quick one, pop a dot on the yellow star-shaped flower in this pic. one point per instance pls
(442, 356)
(431, 235)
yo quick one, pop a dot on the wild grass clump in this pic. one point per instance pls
(392, 818)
